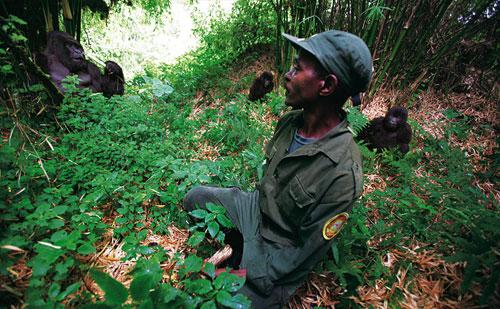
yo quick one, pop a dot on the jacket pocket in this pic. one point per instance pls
(299, 194)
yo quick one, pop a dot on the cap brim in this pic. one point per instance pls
(299, 43)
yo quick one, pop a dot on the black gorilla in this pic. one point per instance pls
(112, 81)
(388, 132)
(261, 86)
(64, 55)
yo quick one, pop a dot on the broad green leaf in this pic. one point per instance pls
(46, 257)
(210, 217)
(39, 267)
(213, 228)
(221, 237)
(69, 290)
(59, 210)
(86, 249)
(62, 267)
(209, 305)
(237, 302)
(56, 223)
(121, 220)
(146, 304)
(141, 286)
(114, 291)
(122, 210)
(151, 267)
(71, 240)
(199, 213)
(54, 290)
(223, 297)
(193, 263)
(199, 286)
(228, 282)
(18, 38)
(168, 293)
(58, 236)
(224, 221)
(145, 250)
(218, 209)
(196, 238)
(209, 269)
(142, 234)
(241, 301)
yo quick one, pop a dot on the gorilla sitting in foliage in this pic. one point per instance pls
(261, 86)
(112, 81)
(388, 132)
(64, 55)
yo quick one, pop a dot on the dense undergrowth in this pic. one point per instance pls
(122, 165)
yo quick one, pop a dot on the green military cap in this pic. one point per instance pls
(341, 53)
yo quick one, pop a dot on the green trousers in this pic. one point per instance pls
(243, 210)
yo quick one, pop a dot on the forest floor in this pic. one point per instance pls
(438, 282)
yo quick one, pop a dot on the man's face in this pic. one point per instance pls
(302, 83)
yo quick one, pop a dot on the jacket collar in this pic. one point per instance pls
(333, 144)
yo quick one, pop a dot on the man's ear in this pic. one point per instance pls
(330, 84)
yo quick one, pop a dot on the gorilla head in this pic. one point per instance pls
(67, 50)
(395, 118)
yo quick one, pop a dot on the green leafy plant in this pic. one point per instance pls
(357, 121)
(212, 220)
(198, 287)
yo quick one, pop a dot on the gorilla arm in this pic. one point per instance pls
(57, 71)
(404, 138)
(91, 78)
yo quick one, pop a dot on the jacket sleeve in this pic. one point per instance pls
(274, 265)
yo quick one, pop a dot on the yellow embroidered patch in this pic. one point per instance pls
(333, 226)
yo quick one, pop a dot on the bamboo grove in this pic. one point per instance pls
(410, 40)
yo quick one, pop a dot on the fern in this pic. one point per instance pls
(357, 121)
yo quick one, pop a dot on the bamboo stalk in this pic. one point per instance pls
(66, 10)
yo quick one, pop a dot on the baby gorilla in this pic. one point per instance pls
(261, 86)
(112, 81)
(388, 132)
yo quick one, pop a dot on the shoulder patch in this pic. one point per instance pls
(333, 226)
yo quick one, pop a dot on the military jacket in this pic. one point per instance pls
(299, 194)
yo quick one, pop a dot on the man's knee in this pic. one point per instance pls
(196, 198)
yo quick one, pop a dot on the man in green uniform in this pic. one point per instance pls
(312, 173)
